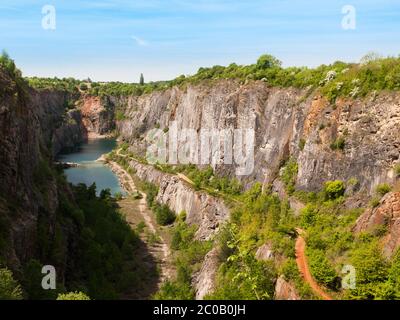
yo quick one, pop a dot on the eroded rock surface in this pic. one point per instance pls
(285, 290)
(386, 215)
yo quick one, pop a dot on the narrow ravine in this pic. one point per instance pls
(159, 249)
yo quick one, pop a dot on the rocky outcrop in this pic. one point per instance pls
(29, 195)
(387, 216)
(285, 290)
(97, 114)
(204, 281)
(202, 210)
(61, 126)
(265, 252)
(370, 130)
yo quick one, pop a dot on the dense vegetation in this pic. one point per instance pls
(8, 66)
(340, 79)
(9, 287)
(103, 264)
(260, 219)
(331, 245)
(106, 265)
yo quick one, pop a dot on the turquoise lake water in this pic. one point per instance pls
(90, 171)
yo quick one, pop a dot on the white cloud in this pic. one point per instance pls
(140, 42)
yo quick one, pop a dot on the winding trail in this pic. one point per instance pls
(160, 250)
(304, 268)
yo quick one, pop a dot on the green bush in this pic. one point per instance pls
(374, 202)
(383, 189)
(182, 236)
(338, 144)
(164, 215)
(334, 189)
(73, 296)
(9, 288)
(321, 268)
(302, 144)
(289, 175)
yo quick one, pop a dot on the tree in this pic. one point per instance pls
(141, 79)
(334, 189)
(9, 288)
(73, 296)
(267, 61)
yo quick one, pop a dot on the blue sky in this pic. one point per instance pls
(118, 39)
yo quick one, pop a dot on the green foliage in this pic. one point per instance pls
(106, 265)
(182, 236)
(267, 61)
(118, 196)
(308, 216)
(383, 189)
(302, 144)
(8, 65)
(9, 287)
(175, 290)
(141, 81)
(374, 202)
(335, 80)
(259, 217)
(397, 169)
(289, 175)
(372, 272)
(164, 215)
(338, 144)
(189, 255)
(120, 116)
(73, 296)
(321, 268)
(334, 189)
(242, 276)
(151, 191)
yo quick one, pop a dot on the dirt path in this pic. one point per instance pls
(160, 250)
(304, 269)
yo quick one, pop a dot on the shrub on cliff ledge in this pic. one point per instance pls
(289, 175)
(383, 189)
(397, 170)
(338, 144)
(334, 189)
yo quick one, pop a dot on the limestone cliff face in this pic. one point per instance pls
(287, 123)
(34, 126)
(61, 126)
(97, 114)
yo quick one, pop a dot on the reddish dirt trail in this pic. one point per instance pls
(304, 269)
